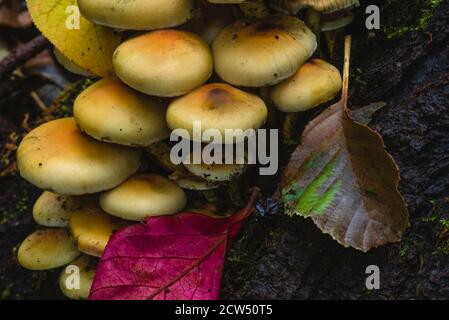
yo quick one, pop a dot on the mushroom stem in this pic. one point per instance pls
(210, 195)
(332, 37)
(313, 20)
(235, 192)
(289, 136)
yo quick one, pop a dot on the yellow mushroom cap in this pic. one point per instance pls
(137, 14)
(54, 210)
(164, 63)
(91, 229)
(143, 196)
(217, 106)
(56, 156)
(110, 111)
(316, 82)
(85, 267)
(47, 249)
(262, 53)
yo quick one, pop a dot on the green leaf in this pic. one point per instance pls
(91, 47)
(342, 177)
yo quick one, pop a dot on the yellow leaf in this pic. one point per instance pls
(89, 46)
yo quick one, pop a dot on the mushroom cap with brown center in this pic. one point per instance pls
(110, 111)
(137, 14)
(316, 82)
(56, 156)
(217, 106)
(144, 196)
(91, 228)
(262, 53)
(164, 63)
(47, 249)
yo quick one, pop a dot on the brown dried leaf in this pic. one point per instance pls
(342, 177)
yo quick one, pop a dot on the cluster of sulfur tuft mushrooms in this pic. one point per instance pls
(181, 61)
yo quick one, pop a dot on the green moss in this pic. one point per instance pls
(20, 208)
(398, 24)
(63, 105)
(5, 293)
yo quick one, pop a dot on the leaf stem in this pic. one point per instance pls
(347, 62)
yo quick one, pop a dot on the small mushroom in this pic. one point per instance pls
(144, 196)
(337, 20)
(47, 249)
(164, 63)
(91, 229)
(86, 266)
(264, 52)
(109, 109)
(137, 14)
(56, 156)
(189, 181)
(316, 82)
(217, 106)
(54, 210)
(216, 172)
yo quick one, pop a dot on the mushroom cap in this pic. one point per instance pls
(57, 156)
(91, 229)
(262, 53)
(47, 249)
(164, 63)
(110, 111)
(144, 196)
(137, 14)
(54, 210)
(217, 106)
(324, 6)
(87, 267)
(337, 20)
(316, 82)
(189, 181)
(216, 172)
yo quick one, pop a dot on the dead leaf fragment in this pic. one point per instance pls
(342, 177)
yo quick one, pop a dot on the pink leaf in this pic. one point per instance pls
(177, 257)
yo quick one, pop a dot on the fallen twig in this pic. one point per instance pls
(22, 54)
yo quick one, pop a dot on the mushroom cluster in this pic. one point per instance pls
(183, 61)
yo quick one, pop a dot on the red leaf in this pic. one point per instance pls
(177, 257)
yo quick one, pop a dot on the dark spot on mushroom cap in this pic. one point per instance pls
(219, 95)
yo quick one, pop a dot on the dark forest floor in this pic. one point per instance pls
(283, 258)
